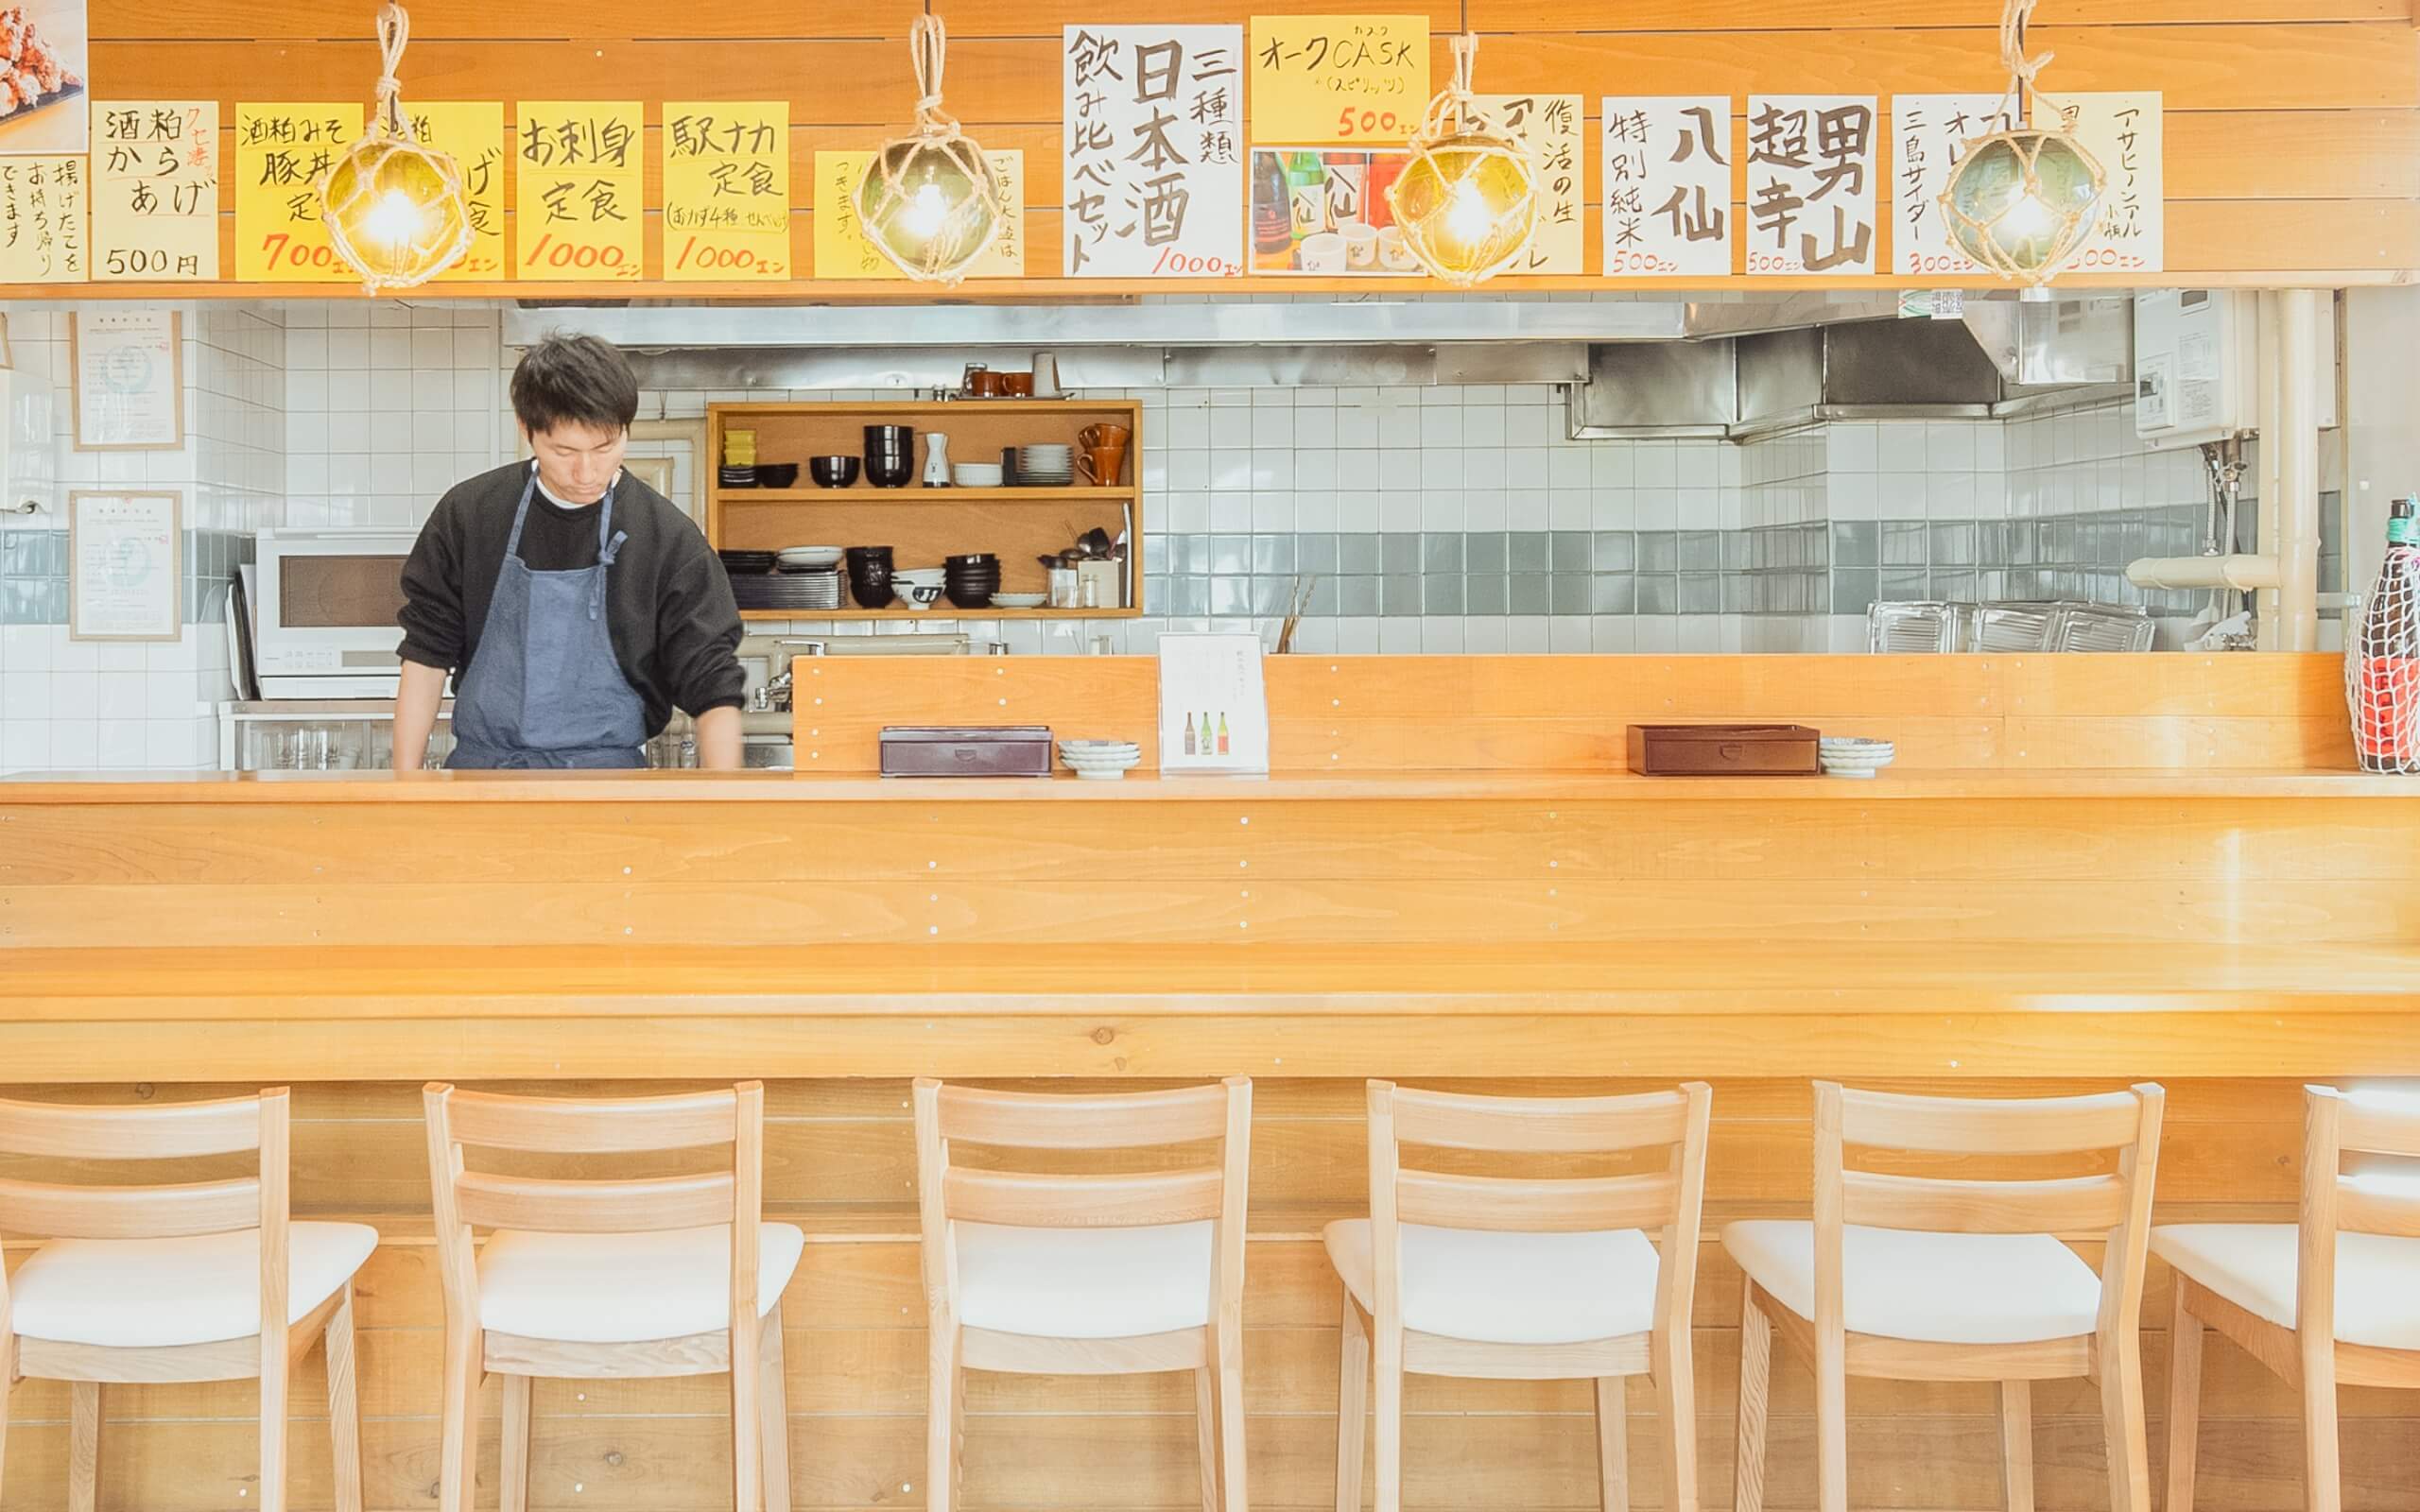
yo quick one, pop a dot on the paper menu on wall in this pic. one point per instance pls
(1214, 713)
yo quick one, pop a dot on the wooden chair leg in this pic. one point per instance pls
(83, 1446)
(2122, 1415)
(942, 1388)
(458, 1454)
(276, 1369)
(747, 1420)
(513, 1489)
(1756, 1382)
(2322, 1479)
(1613, 1444)
(2016, 1444)
(1832, 1426)
(1385, 1353)
(1231, 1415)
(1352, 1405)
(344, 1405)
(1205, 1423)
(773, 1403)
(2183, 1398)
(1676, 1393)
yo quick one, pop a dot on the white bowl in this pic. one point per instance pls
(977, 474)
(809, 556)
(1100, 748)
(931, 577)
(917, 597)
(1019, 600)
(1855, 758)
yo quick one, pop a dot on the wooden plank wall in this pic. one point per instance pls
(839, 1160)
(1352, 714)
(2293, 125)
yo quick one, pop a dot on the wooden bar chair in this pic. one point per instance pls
(1512, 1278)
(2332, 1299)
(1038, 1272)
(198, 1280)
(1913, 1277)
(602, 1278)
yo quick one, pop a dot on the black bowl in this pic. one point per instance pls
(833, 471)
(972, 559)
(890, 469)
(776, 474)
(889, 438)
(966, 597)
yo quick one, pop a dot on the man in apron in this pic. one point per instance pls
(574, 605)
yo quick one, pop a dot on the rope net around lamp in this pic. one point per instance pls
(2020, 202)
(1467, 200)
(395, 208)
(931, 203)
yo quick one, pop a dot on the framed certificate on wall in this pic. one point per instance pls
(129, 378)
(124, 565)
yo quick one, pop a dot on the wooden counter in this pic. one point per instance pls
(2086, 900)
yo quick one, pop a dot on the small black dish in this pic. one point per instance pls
(776, 474)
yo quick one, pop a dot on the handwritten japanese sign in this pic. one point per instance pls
(1338, 80)
(1547, 126)
(1667, 172)
(282, 152)
(1928, 136)
(155, 196)
(841, 249)
(727, 190)
(41, 221)
(1810, 183)
(473, 131)
(577, 209)
(2125, 131)
(1155, 151)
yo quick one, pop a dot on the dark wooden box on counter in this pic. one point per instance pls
(1723, 750)
(1004, 750)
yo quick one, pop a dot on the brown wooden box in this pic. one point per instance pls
(1723, 750)
(1007, 751)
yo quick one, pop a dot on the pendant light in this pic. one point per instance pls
(1467, 200)
(931, 203)
(395, 208)
(2020, 201)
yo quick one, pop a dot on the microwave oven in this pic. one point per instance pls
(324, 609)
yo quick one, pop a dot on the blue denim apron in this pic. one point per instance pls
(544, 689)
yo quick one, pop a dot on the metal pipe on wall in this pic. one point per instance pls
(2268, 494)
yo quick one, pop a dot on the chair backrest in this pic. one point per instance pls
(231, 1125)
(466, 1199)
(2117, 1202)
(949, 1191)
(1670, 1201)
(2333, 1202)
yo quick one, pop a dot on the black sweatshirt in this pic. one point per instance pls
(674, 624)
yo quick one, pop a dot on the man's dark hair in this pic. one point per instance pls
(583, 380)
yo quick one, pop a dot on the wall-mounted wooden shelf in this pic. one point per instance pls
(925, 525)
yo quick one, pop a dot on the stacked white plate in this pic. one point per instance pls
(807, 558)
(1046, 466)
(1852, 756)
(1102, 760)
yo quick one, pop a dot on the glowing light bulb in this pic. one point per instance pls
(926, 210)
(1468, 217)
(393, 219)
(2026, 217)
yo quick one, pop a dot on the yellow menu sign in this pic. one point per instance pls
(1321, 80)
(579, 208)
(726, 190)
(841, 249)
(281, 151)
(155, 194)
(1548, 127)
(473, 131)
(41, 221)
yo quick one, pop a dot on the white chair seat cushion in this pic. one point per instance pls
(1928, 1287)
(2254, 1264)
(1083, 1284)
(155, 1293)
(1509, 1288)
(625, 1288)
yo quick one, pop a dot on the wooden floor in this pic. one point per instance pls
(839, 1159)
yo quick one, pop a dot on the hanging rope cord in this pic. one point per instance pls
(394, 34)
(2022, 70)
(929, 51)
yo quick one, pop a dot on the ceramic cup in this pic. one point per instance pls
(1361, 245)
(1393, 255)
(1323, 252)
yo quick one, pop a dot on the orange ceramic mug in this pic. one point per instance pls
(1102, 465)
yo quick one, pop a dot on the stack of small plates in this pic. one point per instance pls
(1046, 467)
(1852, 756)
(808, 558)
(736, 562)
(1102, 760)
(795, 591)
(977, 474)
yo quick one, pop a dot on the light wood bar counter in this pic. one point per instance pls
(2086, 872)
